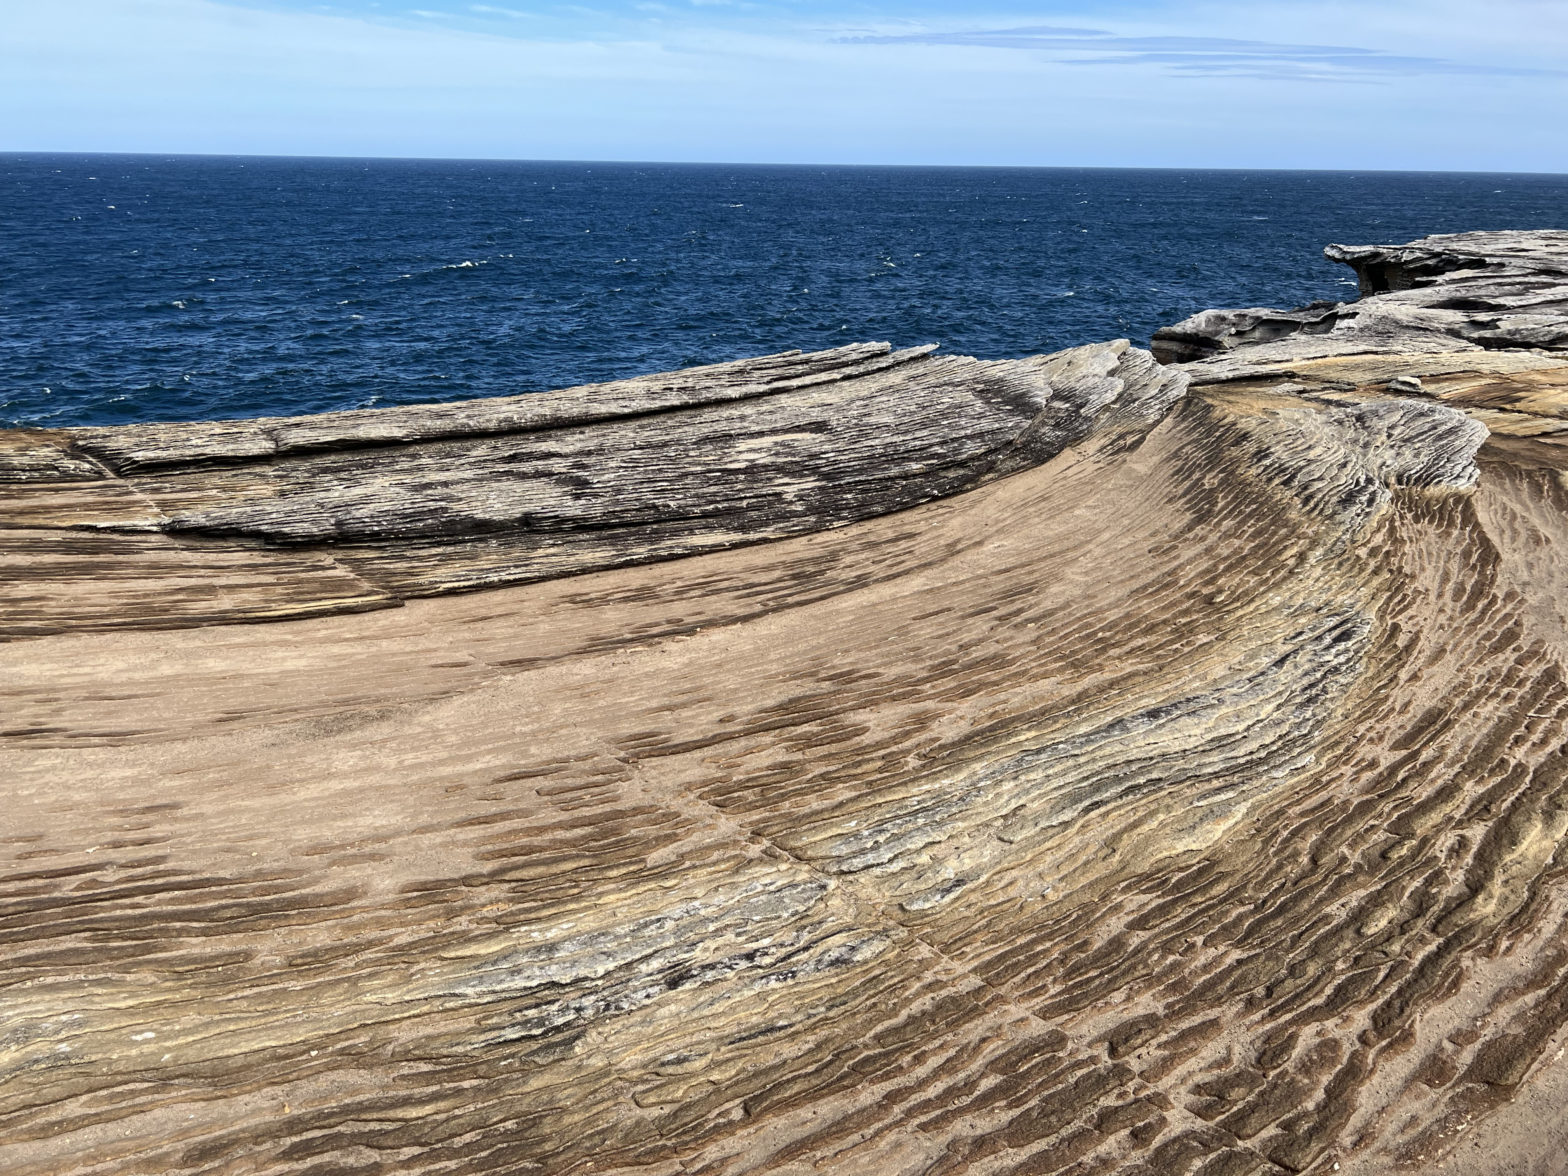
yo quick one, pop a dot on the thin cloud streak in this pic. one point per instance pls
(1201, 55)
(1250, 87)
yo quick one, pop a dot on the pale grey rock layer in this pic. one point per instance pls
(1467, 291)
(360, 510)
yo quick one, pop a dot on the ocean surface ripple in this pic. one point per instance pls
(143, 288)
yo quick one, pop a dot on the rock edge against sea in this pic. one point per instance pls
(862, 761)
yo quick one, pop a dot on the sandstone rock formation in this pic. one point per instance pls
(1091, 774)
(1437, 295)
(260, 519)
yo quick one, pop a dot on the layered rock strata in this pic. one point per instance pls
(1093, 774)
(1456, 293)
(160, 525)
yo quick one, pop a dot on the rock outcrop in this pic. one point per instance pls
(1102, 767)
(165, 525)
(1461, 292)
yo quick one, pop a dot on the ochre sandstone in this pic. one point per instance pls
(861, 762)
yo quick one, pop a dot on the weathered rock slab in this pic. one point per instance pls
(1088, 775)
(1455, 293)
(404, 502)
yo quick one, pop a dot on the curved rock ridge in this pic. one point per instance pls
(1172, 783)
(167, 525)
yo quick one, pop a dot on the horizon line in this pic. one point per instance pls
(5, 153)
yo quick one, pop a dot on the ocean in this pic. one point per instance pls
(151, 288)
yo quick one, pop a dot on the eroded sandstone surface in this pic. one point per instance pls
(861, 762)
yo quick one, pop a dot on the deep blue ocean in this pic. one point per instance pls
(139, 288)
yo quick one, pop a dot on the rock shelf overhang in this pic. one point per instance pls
(861, 762)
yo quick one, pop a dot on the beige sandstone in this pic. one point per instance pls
(1100, 768)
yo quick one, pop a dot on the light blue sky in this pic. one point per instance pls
(1440, 84)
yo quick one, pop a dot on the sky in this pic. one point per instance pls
(1459, 85)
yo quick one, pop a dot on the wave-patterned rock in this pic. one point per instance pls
(1092, 775)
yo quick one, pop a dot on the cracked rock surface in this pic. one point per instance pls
(861, 762)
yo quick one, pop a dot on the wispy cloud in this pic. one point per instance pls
(1476, 84)
(1223, 56)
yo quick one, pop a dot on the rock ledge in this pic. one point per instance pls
(1063, 765)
